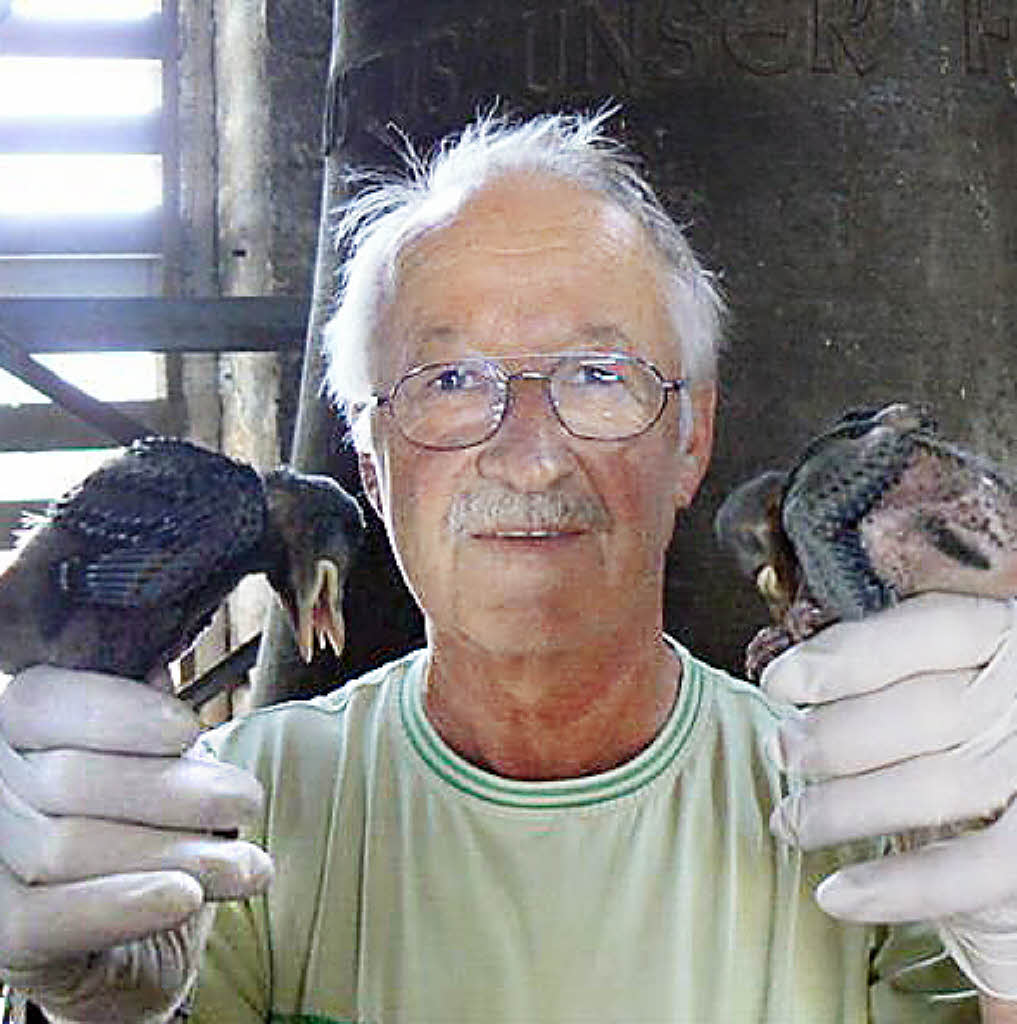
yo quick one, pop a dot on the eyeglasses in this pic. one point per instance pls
(599, 396)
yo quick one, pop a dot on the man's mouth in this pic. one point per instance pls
(529, 534)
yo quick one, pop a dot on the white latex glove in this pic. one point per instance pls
(911, 723)
(108, 848)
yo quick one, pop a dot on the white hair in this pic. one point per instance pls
(382, 218)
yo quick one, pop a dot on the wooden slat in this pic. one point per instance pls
(99, 414)
(24, 37)
(47, 427)
(11, 519)
(71, 276)
(141, 134)
(256, 324)
(134, 234)
(224, 676)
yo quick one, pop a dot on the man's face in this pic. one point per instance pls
(534, 266)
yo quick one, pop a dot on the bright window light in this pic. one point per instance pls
(78, 87)
(41, 476)
(86, 183)
(92, 10)
(108, 376)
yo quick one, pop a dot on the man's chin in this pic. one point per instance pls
(531, 624)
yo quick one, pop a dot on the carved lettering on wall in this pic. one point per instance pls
(983, 27)
(854, 30)
(759, 49)
(574, 48)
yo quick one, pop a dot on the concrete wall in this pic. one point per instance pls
(847, 167)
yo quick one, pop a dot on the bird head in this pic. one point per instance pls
(747, 525)
(314, 528)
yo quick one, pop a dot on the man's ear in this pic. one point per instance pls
(369, 480)
(697, 443)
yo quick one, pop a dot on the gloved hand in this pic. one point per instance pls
(911, 724)
(112, 845)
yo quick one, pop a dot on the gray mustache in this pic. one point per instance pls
(499, 510)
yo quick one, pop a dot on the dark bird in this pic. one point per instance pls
(125, 570)
(877, 508)
(748, 525)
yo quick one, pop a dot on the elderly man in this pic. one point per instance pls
(553, 812)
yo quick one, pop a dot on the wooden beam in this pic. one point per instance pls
(47, 427)
(74, 276)
(132, 234)
(110, 420)
(141, 134)
(12, 518)
(256, 324)
(26, 37)
(225, 675)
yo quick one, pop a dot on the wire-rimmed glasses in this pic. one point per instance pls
(601, 396)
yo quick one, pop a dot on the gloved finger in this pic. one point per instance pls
(984, 945)
(962, 875)
(170, 792)
(42, 849)
(969, 782)
(927, 633)
(44, 708)
(918, 715)
(43, 924)
(855, 734)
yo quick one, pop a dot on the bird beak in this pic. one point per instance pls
(319, 613)
(768, 584)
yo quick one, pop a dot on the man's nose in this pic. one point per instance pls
(531, 450)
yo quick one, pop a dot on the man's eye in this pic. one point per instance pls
(593, 375)
(453, 378)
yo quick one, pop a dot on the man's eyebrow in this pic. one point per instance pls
(609, 335)
(429, 334)
(418, 340)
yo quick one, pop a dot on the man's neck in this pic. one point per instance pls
(552, 714)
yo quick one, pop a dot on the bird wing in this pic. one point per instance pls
(160, 522)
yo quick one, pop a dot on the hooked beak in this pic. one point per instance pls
(768, 584)
(318, 616)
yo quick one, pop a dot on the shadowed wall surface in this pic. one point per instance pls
(848, 168)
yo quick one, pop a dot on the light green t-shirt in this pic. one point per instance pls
(412, 886)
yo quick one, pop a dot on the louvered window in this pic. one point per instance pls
(87, 201)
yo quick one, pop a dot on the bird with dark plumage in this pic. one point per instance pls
(877, 508)
(125, 570)
(748, 525)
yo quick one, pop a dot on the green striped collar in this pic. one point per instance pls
(585, 791)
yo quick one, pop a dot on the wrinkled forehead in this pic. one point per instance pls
(525, 261)
(520, 214)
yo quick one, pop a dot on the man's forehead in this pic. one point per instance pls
(526, 266)
(521, 215)
(437, 342)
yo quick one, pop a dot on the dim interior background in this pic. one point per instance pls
(846, 168)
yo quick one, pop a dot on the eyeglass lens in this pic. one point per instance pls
(455, 405)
